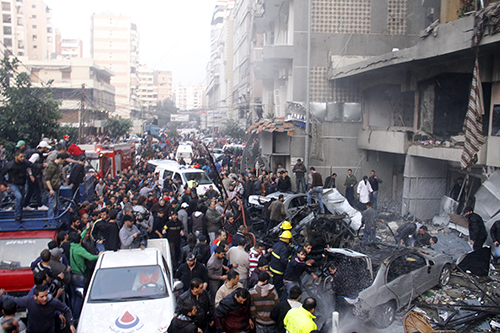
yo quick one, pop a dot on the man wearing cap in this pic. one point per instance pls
(191, 269)
(21, 145)
(279, 260)
(35, 187)
(300, 170)
(52, 177)
(130, 235)
(18, 171)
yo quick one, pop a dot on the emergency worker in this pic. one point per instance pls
(279, 260)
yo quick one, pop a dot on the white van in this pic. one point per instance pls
(184, 151)
(131, 291)
(182, 175)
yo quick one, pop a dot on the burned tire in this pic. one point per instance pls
(384, 314)
(445, 276)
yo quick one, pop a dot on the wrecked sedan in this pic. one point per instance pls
(387, 278)
(292, 203)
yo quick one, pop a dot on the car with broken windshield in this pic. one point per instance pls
(377, 279)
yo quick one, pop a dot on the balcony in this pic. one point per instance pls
(277, 52)
(385, 141)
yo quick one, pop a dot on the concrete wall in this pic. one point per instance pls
(424, 185)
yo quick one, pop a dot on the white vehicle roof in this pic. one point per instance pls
(132, 258)
(347, 252)
(164, 163)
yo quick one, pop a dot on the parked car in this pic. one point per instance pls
(387, 277)
(131, 291)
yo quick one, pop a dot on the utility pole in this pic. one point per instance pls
(81, 114)
(308, 88)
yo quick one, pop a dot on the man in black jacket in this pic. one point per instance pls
(279, 312)
(198, 296)
(77, 174)
(183, 322)
(233, 313)
(112, 232)
(477, 231)
(191, 269)
(17, 170)
(284, 182)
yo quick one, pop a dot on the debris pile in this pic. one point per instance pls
(467, 304)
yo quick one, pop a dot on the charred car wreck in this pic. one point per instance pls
(371, 280)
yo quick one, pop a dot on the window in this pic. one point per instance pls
(33, 6)
(34, 26)
(167, 173)
(7, 42)
(34, 37)
(403, 265)
(7, 18)
(5, 6)
(49, 30)
(66, 75)
(33, 16)
(495, 125)
(34, 46)
(7, 30)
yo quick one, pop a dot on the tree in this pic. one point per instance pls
(163, 110)
(233, 129)
(117, 126)
(172, 132)
(26, 112)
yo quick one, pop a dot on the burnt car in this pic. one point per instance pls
(292, 203)
(379, 279)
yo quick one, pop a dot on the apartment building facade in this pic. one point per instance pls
(190, 97)
(164, 83)
(220, 67)
(83, 87)
(115, 45)
(27, 29)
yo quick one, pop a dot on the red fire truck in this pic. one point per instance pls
(108, 159)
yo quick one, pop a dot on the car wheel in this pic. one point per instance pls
(444, 277)
(384, 314)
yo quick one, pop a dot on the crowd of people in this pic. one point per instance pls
(231, 283)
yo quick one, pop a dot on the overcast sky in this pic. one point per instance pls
(174, 35)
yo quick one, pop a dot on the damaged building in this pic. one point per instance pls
(391, 96)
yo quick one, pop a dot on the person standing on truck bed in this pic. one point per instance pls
(52, 177)
(35, 187)
(18, 171)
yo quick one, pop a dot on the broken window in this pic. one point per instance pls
(443, 103)
(388, 106)
(403, 265)
(341, 112)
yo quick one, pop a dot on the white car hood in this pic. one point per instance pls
(149, 316)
